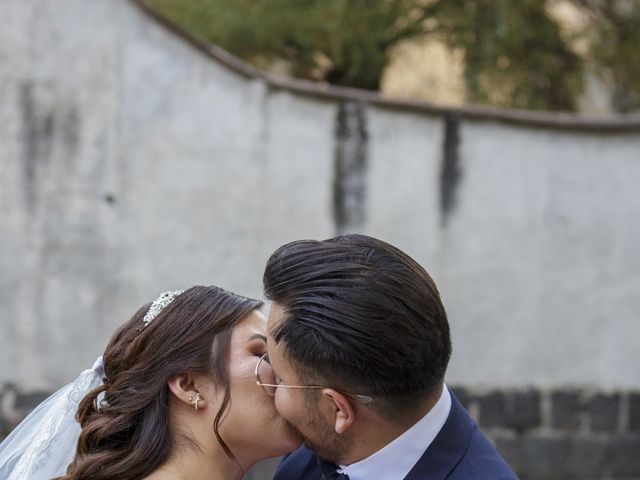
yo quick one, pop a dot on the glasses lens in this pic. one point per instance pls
(266, 376)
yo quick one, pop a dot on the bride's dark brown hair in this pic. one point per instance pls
(125, 422)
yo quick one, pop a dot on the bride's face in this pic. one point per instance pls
(252, 425)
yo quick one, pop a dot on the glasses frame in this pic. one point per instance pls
(361, 398)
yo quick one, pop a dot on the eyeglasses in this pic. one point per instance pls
(267, 380)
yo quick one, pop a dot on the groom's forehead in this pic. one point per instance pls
(276, 316)
(274, 320)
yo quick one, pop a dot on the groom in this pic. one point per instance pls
(358, 330)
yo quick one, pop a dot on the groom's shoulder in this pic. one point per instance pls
(299, 464)
(461, 451)
(482, 461)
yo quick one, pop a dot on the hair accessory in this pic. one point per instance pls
(158, 304)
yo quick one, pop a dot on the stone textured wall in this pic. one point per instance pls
(561, 434)
(552, 434)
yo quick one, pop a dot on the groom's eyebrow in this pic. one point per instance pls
(259, 336)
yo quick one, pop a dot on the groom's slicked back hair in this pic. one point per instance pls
(360, 315)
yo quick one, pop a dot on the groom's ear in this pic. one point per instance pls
(343, 412)
(183, 387)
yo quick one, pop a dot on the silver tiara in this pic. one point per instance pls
(164, 299)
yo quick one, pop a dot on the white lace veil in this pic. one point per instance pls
(44, 443)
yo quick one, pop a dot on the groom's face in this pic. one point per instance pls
(306, 410)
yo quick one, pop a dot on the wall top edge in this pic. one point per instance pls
(614, 124)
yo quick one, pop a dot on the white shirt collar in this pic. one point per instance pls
(397, 458)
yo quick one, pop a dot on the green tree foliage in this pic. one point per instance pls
(515, 54)
(344, 42)
(613, 33)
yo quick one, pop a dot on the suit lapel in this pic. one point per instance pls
(447, 448)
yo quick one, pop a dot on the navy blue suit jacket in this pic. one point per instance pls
(459, 452)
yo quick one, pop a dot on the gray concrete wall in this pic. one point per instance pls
(133, 160)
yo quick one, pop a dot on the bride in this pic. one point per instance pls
(174, 397)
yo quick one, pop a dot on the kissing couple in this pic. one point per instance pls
(345, 378)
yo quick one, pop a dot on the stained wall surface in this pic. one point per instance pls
(133, 161)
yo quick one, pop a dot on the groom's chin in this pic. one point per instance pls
(326, 448)
(320, 438)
